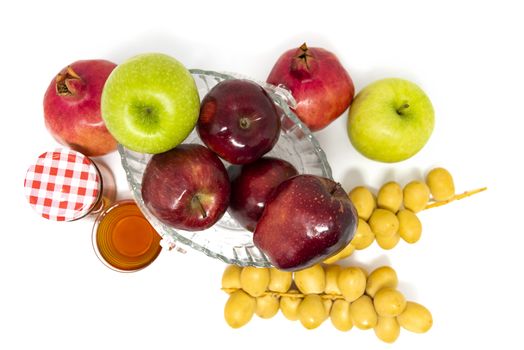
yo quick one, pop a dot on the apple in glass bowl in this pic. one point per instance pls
(228, 240)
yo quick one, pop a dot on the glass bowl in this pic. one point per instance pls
(227, 240)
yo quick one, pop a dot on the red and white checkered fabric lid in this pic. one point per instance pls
(63, 185)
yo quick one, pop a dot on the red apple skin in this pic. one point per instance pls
(187, 187)
(306, 219)
(238, 121)
(319, 83)
(251, 186)
(72, 107)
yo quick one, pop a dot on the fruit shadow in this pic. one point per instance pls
(363, 77)
(402, 177)
(352, 178)
(109, 188)
(408, 289)
(378, 261)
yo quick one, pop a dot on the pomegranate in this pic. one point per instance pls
(320, 85)
(72, 107)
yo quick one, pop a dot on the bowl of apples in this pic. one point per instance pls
(228, 239)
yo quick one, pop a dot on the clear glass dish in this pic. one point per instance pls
(227, 240)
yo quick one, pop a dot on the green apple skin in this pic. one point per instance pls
(150, 103)
(390, 120)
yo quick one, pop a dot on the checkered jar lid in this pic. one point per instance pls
(62, 185)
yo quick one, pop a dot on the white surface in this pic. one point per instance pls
(54, 293)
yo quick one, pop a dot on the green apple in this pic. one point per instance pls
(150, 103)
(390, 120)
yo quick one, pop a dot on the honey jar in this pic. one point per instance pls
(123, 238)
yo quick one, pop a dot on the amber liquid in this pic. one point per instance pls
(125, 239)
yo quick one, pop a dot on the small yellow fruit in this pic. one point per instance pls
(352, 283)
(254, 280)
(231, 277)
(279, 281)
(383, 223)
(363, 201)
(389, 302)
(363, 236)
(416, 196)
(410, 227)
(328, 303)
(332, 272)
(311, 280)
(289, 305)
(388, 242)
(440, 183)
(390, 196)
(267, 306)
(387, 329)
(381, 277)
(415, 318)
(363, 314)
(239, 309)
(344, 253)
(311, 312)
(340, 316)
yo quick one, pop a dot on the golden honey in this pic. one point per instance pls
(124, 239)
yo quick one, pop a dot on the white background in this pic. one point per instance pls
(54, 293)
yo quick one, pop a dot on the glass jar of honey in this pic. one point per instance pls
(123, 239)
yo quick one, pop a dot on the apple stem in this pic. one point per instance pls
(244, 123)
(195, 202)
(402, 108)
(334, 189)
(455, 197)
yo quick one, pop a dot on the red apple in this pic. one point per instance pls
(186, 187)
(238, 121)
(72, 107)
(319, 83)
(306, 219)
(251, 186)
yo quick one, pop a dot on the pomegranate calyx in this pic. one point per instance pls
(301, 65)
(68, 82)
(303, 54)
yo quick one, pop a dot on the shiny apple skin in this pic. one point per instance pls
(306, 219)
(238, 121)
(251, 186)
(187, 187)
